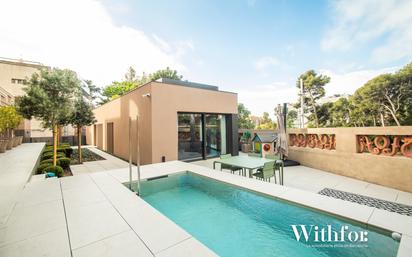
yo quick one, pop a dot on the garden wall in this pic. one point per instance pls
(380, 155)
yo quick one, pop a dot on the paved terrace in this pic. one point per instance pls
(16, 166)
(93, 214)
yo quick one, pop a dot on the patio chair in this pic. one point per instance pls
(278, 166)
(272, 156)
(266, 172)
(232, 169)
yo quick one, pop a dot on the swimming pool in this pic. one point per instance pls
(236, 222)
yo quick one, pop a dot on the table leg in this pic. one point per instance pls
(282, 173)
(214, 164)
(250, 173)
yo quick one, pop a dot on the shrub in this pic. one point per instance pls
(43, 166)
(49, 155)
(55, 169)
(59, 150)
(63, 162)
(68, 151)
(49, 161)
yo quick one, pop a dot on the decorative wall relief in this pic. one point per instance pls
(321, 141)
(385, 145)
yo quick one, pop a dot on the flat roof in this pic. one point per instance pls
(187, 84)
(174, 83)
(21, 62)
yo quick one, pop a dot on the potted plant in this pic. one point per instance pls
(245, 142)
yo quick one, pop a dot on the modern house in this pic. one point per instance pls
(178, 120)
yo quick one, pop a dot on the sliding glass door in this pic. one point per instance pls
(190, 137)
(201, 136)
(215, 135)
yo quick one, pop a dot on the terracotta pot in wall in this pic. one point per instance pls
(3, 146)
(9, 144)
(15, 141)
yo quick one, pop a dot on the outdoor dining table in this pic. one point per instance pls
(248, 163)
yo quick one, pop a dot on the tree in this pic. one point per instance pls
(82, 115)
(116, 89)
(313, 90)
(243, 115)
(48, 98)
(9, 120)
(291, 117)
(266, 122)
(165, 73)
(131, 82)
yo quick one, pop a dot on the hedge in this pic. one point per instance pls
(55, 169)
(63, 162)
(49, 161)
(43, 166)
(47, 156)
(66, 150)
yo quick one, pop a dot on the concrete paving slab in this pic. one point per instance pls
(125, 244)
(94, 222)
(51, 244)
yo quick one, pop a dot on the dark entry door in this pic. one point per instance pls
(110, 138)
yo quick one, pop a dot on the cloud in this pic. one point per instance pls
(357, 22)
(264, 98)
(81, 35)
(265, 62)
(347, 83)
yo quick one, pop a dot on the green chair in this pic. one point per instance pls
(232, 169)
(266, 172)
(278, 166)
(272, 156)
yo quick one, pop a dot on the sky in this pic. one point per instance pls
(256, 48)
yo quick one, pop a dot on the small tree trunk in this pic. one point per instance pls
(58, 135)
(55, 145)
(382, 120)
(316, 115)
(79, 142)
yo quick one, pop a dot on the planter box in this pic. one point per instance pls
(9, 144)
(246, 148)
(15, 141)
(3, 146)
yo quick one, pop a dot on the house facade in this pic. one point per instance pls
(177, 120)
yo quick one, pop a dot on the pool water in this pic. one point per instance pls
(235, 222)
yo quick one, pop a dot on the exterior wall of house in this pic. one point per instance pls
(168, 100)
(118, 111)
(347, 159)
(157, 118)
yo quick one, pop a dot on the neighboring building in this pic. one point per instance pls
(13, 77)
(177, 121)
(5, 97)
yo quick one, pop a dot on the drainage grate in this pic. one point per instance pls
(369, 201)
